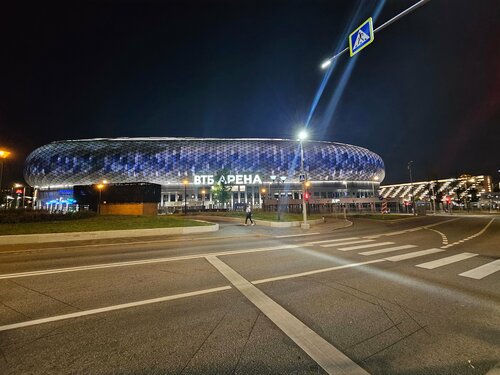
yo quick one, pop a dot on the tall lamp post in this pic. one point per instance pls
(303, 137)
(185, 183)
(411, 184)
(263, 196)
(203, 198)
(4, 154)
(99, 187)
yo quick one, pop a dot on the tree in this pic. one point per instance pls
(221, 190)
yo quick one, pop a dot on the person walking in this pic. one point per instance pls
(249, 215)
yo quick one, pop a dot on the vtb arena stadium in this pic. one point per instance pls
(187, 169)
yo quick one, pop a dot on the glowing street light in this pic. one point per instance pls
(99, 187)
(203, 192)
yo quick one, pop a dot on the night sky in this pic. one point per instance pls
(427, 89)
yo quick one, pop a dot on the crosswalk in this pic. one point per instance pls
(378, 248)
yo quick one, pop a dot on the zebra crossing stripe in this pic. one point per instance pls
(327, 241)
(482, 271)
(415, 254)
(388, 249)
(445, 261)
(365, 246)
(346, 243)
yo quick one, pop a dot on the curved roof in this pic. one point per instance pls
(169, 160)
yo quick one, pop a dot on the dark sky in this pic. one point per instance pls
(427, 89)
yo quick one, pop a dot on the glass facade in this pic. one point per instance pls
(167, 161)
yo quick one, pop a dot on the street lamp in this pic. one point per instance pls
(185, 182)
(263, 196)
(302, 138)
(4, 154)
(99, 187)
(203, 197)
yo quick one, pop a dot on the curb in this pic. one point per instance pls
(348, 224)
(273, 224)
(100, 235)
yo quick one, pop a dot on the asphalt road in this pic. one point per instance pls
(414, 296)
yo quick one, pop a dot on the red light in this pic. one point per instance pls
(19, 191)
(306, 196)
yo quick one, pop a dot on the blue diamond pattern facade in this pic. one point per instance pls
(168, 161)
(260, 168)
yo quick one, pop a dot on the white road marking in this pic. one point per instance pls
(444, 239)
(313, 272)
(415, 254)
(444, 261)
(332, 360)
(482, 271)
(297, 235)
(409, 230)
(346, 243)
(365, 246)
(191, 239)
(470, 237)
(336, 240)
(111, 308)
(388, 249)
(140, 262)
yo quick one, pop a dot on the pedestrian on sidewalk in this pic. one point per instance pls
(249, 215)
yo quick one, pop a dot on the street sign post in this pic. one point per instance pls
(361, 37)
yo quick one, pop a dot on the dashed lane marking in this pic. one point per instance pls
(332, 360)
(388, 249)
(445, 261)
(111, 308)
(482, 271)
(444, 239)
(346, 243)
(414, 254)
(410, 230)
(470, 237)
(365, 246)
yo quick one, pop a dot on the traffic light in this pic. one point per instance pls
(306, 196)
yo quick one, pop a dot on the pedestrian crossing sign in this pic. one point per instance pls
(361, 37)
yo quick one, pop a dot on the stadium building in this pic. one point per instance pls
(188, 168)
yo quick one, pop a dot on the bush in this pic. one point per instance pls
(31, 216)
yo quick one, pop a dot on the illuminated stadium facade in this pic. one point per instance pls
(256, 168)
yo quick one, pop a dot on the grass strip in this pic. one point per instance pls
(100, 223)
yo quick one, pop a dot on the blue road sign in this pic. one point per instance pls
(302, 177)
(361, 37)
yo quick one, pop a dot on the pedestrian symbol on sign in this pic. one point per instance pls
(361, 37)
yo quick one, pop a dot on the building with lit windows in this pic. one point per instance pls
(186, 168)
(465, 191)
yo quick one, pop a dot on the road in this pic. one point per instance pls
(414, 296)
